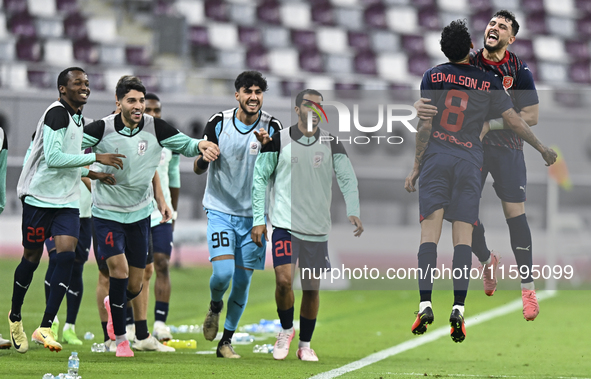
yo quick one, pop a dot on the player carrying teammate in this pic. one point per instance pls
(302, 163)
(227, 201)
(449, 157)
(49, 189)
(503, 155)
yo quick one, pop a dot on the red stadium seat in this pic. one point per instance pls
(359, 40)
(28, 49)
(23, 24)
(250, 36)
(256, 59)
(268, 11)
(375, 16)
(311, 61)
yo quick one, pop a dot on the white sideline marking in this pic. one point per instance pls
(429, 337)
(471, 376)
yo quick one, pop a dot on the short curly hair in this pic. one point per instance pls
(250, 78)
(456, 41)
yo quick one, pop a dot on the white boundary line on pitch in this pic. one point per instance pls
(472, 376)
(429, 337)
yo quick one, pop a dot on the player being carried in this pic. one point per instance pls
(449, 156)
(503, 155)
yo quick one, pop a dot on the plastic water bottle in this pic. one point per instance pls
(98, 348)
(242, 339)
(73, 364)
(264, 349)
(48, 376)
(182, 344)
(89, 336)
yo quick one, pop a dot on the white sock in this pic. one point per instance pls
(55, 319)
(460, 308)
(120, 339)
(69, 326)
(528, 286)
(304, 344)
(159, 323)
(288, 331)
(487, 262)
(423, 305)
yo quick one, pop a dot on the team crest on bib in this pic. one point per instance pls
(142, 146)
(255, 146)
(318, 158)
(507, 82)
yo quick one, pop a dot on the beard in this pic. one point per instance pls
(492, 49)
(304, 119)
(244, 108)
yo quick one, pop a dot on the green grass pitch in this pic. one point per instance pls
(352, 325)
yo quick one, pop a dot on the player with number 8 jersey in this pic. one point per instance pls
(449, 158)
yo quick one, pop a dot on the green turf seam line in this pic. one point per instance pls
(429, 337)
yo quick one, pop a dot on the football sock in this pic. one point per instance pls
(427, 260)
(118, 302)
(286, 318)
(479, 247)
(226, 337)
(459, 307)
(23, 275)
(423, 305)
(141, 329)
(160, 311)
(69, 326)
(129, 315)
(462, 259)
(74, 294)
(528, 286)
(105, 334)
(60, 281)
(238, 297)
(306, 329)
(220, 279)
(216, 306)
(304, 344)
(49, 273)
(521, 245)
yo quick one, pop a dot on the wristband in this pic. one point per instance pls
(496, 124)
(202, 164)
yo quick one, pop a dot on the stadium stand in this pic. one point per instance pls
(347, 41)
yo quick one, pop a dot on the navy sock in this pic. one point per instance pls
(23, 275)
(286, 317)
(462, 261)
(479, 247)
(60, 281)
(49, 273)
(161, 311)
(129, 315)
(105, 333)
(306, 329)
(521, 245)
(118, 302)
(427, 260)
(226, 337)
(141, 329)
(74, 294)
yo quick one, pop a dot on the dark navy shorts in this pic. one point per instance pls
(41, 223)
(162, 238)
(84, 241)
(507, 167)
(450, 183)
(102, 265)
(289, 249)
(114, 238)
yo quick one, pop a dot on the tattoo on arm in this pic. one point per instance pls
(520, 127)
(422, 139)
